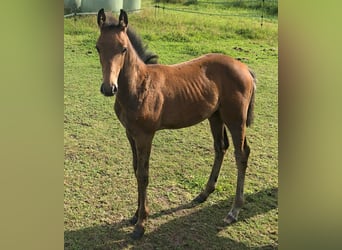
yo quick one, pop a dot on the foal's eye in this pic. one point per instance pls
(124, 50)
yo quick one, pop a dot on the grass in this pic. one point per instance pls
(100, 188)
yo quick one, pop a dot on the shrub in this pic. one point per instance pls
(171, 1)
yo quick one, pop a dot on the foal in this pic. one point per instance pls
(154, 97)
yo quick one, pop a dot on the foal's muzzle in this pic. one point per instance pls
(108, 90)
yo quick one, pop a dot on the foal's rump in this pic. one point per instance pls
(236, 84)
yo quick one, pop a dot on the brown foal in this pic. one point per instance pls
(154, 97)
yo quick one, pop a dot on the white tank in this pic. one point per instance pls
(96, 5)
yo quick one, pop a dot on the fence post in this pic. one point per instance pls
(262, 12)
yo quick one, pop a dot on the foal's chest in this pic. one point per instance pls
(140, 115)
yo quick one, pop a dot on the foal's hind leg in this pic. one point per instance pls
(242, 151)
(221, 144)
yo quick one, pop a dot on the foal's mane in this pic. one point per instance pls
(142, 50)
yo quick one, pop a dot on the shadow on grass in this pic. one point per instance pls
(197, 230)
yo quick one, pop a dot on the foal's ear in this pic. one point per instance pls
(123, 19)
(101, 17)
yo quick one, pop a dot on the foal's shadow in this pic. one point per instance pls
(198, 230)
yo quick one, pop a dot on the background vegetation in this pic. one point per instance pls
(100, 188)
(267, 6)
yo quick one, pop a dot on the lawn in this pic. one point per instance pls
(99, 184)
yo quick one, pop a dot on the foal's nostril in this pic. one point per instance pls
(108, 90)
(102, 89)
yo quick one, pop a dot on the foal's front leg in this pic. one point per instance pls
(135, 165)
(143, 149)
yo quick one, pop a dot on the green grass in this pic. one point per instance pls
(100, 188)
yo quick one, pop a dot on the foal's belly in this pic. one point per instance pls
(180, 116)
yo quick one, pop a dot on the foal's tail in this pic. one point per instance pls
(250, 111)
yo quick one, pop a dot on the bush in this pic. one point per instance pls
(270, 7)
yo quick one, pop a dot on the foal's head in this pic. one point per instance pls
(112, 48)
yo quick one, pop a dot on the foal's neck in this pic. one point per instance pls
(133, 71)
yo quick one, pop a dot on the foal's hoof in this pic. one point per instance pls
(200, 198)
(138, 232)
(230, 219)
(134, 220)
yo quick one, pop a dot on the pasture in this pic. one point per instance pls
(100, 189)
